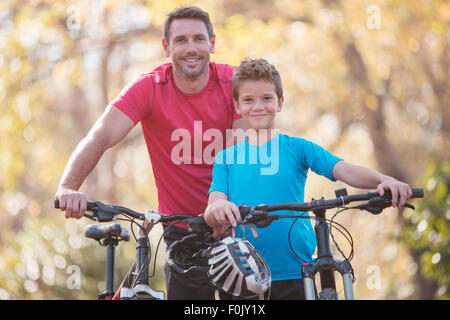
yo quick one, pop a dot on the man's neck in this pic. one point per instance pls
(191, 86)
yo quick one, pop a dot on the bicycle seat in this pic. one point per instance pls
(101, 231)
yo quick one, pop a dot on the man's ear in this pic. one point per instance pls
(165, 47)
(280, 104)
(213, 44)
(236, 106)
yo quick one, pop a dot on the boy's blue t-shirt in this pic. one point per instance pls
(274, 172)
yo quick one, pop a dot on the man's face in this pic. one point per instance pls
(189, 47)
(258, 103)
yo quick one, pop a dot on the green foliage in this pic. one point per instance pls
(428, 232)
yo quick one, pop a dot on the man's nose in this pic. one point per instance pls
(191, 47)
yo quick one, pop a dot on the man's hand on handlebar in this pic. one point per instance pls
(74, 203)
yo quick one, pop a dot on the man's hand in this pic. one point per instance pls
(74, 203)
(400, 191)
(221, 213)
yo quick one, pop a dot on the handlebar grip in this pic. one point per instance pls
(417, 193)
(90, 205)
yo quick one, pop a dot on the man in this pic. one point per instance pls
(183, 98)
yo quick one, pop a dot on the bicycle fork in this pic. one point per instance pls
(326, 264)
(139, 288)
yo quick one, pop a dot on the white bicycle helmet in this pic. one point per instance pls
(238, 269)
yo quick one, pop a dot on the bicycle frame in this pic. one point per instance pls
(139, 288)
(326, 264)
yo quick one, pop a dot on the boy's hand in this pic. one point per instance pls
(400, 191)
(223, 212)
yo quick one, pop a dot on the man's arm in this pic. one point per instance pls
(109, 129)
(365, 178)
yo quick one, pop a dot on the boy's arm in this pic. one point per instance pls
(365, 178)
(221, 212)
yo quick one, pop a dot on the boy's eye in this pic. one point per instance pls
(267, 98)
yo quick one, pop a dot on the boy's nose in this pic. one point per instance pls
(258, 106)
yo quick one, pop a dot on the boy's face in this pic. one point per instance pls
(189, 47)
(258, 103)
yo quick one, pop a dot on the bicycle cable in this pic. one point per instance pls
(333, 225)
(157, 248)
(144, 267)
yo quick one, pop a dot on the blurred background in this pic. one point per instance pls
(368, 80)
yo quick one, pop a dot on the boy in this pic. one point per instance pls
(243, 174)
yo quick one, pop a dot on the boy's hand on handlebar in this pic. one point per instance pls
(221, 213)
(74, 203)
(400, 191)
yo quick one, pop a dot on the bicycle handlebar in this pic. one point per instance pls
(105, 213)
(375, 204)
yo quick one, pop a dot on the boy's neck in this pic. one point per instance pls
(261, 136)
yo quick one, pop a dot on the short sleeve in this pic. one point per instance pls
(136, 98)
(318, 159)
(219, 175)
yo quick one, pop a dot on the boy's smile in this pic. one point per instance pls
(258, 103)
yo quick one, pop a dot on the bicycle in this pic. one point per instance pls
(325, 263)
(135, 285)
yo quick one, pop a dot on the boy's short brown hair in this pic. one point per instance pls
(187, 12)
(256, 69)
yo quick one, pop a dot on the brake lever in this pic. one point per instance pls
(251, 226)
(378, 204)
(91, 217)
(102, 212)
(256, 218)
(409, 205)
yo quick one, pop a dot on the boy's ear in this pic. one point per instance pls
(280, 104)
(236, 106)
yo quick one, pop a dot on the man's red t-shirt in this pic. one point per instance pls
(169, 120)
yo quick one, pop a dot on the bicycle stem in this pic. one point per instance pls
(322, 230)
(142, 256)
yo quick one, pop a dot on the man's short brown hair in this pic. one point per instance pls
(256, 69)
(187, 12)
